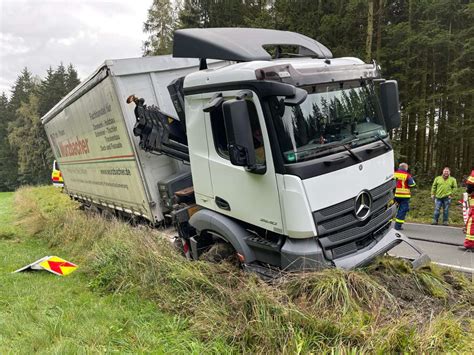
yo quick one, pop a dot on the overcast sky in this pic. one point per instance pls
(42, 33)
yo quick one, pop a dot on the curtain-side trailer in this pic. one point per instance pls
(90, 132)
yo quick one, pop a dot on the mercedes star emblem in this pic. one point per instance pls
(363, 204)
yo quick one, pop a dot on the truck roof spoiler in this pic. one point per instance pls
(241, 44)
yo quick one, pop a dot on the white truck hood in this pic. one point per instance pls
(329, 189)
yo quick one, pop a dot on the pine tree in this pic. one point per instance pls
(25, 155)
(27, 136)
(23, 87)
(8, 170)
(54, 87)
(72, 78)
(190, 15)
(160, 25)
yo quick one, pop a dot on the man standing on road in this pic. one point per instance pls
(442, 192)
(469, 241)
(402, 193)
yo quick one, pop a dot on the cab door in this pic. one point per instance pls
(238, 193)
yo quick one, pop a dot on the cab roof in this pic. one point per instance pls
(303, 70)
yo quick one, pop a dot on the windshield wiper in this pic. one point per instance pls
(377, 136)
(351, 152)
(316, 151)
(345, 144)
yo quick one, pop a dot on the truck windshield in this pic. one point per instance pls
(338, 115)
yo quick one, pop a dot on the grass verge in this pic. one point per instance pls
(387, 307)
(41, 312)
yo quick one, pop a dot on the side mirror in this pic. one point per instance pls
(239, 133)
(390, 103)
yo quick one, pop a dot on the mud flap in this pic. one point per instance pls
(389, 241)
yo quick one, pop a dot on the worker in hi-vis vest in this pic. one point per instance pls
(469, 241)
(402, 193)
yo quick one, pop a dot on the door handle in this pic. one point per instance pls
(223, 204)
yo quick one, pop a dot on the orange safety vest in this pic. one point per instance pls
(470, 219)
(404, 182)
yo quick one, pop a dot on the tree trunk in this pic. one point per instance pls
(407, 99)
(421, 124)
(370, 30)
(432, 114)
(379, 29)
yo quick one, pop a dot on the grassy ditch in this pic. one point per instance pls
(44, 313)
(387, 307)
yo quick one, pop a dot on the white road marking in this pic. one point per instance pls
(455, 267)
(434, 226)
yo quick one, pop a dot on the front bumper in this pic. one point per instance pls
(388, 242)
(307, 254)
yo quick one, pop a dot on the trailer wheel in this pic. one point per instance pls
(93, 209)
(108, 214)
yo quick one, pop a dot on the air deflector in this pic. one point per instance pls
(241, 44)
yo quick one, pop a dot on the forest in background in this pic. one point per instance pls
(25, 155)
(426, 45)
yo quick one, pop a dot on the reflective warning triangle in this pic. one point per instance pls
(53, 264)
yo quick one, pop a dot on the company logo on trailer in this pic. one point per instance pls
(79, 146)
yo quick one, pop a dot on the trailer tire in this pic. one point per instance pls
(94, 210)
(108, 214)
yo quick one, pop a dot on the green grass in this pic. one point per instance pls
(422, 207)
(204, 307)
(41, 312)
(7, 229)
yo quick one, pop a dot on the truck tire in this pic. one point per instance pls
(219, 252)
(227, 229)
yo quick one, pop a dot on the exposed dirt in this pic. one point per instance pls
(414, 297)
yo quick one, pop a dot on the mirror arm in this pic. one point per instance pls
(259, 169)
(297, 98)
(215, 101)
(244, 94)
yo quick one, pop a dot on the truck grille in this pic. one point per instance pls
(341, 233)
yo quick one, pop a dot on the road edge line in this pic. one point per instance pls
(455, 267)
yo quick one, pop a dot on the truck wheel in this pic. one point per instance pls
(219, 252)
(178, 245)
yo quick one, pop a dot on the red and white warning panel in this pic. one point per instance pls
(53, 264)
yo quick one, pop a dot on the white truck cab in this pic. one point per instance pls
(290, 158)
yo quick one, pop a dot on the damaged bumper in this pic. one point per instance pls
(388, 242)
(307, 254)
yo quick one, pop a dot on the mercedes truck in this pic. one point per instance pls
(255, 139)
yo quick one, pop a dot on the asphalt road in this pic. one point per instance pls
(441, 243)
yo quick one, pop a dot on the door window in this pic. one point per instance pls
(220, 136)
